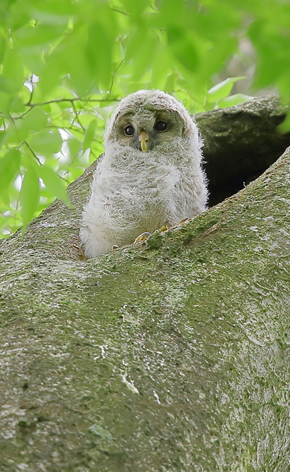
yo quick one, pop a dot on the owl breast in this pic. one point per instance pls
(136, 196)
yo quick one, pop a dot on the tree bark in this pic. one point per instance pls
(240, 143)
(167, 355)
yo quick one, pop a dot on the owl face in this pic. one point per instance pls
(145, 121)
(147, 128)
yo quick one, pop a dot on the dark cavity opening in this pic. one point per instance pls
(240, 143)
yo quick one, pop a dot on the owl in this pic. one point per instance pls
(150, 175)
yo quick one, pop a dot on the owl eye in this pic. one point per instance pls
(129, 130)
(160, 126)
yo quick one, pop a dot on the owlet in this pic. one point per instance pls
(150, 173)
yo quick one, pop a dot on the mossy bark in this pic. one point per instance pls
(167, 355)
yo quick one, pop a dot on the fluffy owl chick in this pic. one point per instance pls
(150, 174)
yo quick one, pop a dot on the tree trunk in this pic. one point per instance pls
(167, 355)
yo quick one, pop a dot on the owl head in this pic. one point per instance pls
(149, 119)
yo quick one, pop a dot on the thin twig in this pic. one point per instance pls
(59, 100)
(119, 11)
(23, 114)
(32, 152)
(114, 74)
(77, 116)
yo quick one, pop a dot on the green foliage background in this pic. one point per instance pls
(65, 64)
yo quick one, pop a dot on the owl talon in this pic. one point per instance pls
(164, 227)
(142, 237)
(184, 220)
(181, 223)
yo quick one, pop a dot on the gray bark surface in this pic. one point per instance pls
(168, 355)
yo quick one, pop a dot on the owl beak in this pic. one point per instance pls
(144, 140)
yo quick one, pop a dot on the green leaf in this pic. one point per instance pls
(223, 89)
(53, 12)
(184, 47)
(12, 135)
(53, 182)
(16, 105)
(35, 119)
(30, 36)
(285, 126)
(2, 49)
(9, 166)
(100, 63)
(74, 146)
(4, 102)
(3, 136)
(54, 68)
(19, 14)
(76, 62)
(13, 75)
(161, 64)
(29, 195)
(141, 61)
(89, 134)
(46, 142)
(170, 83)
(5, 197)
(233, 100)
